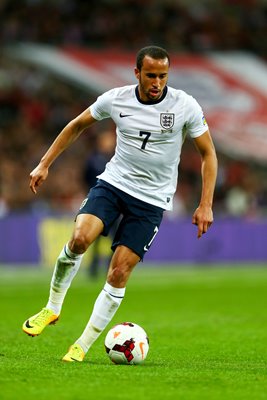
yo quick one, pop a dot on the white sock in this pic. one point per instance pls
(65, 270)
(105, 308)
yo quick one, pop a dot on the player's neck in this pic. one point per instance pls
(148, 101)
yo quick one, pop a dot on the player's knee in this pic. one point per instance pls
(79, 243)
(122, 264)
(119, 274)
(117, 277)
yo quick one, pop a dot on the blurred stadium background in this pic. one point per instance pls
(57, 56)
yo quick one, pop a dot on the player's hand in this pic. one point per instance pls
(37, 176)
(202, 218)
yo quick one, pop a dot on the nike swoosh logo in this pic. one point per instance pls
(146, 247)
(125, 115)
(141, 345)
(28, 324)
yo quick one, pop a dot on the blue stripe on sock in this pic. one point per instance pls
(67, 253)
(117, 297)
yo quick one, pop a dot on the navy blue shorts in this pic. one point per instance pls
(139, 221)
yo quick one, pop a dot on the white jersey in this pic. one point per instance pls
(149, 140)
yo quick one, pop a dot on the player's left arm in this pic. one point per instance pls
(203, 215)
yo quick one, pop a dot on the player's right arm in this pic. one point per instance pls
(65, 138)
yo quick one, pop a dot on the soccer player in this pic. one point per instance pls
(138, 183)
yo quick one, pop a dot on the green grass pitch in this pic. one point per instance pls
(207, 328)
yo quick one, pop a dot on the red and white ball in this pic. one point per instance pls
(127, 343)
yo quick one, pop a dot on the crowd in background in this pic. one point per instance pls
(180, 25)
(35, 106)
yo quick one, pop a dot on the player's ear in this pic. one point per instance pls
(137, 73)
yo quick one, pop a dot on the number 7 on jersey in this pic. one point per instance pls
(147, 135)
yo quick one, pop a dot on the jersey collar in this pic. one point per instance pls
(151, 102)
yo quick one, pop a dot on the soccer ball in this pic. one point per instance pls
(127, 343)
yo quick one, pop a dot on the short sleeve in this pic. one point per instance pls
(196, 123)
(101, 108)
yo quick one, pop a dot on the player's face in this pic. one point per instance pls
(152, 78)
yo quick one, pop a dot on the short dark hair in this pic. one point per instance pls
(156, 52)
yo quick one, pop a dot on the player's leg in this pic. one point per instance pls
(97, 213)
(87, 228)
(135, 233)
(107, 303)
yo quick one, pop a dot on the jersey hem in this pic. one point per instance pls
(137, 195)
